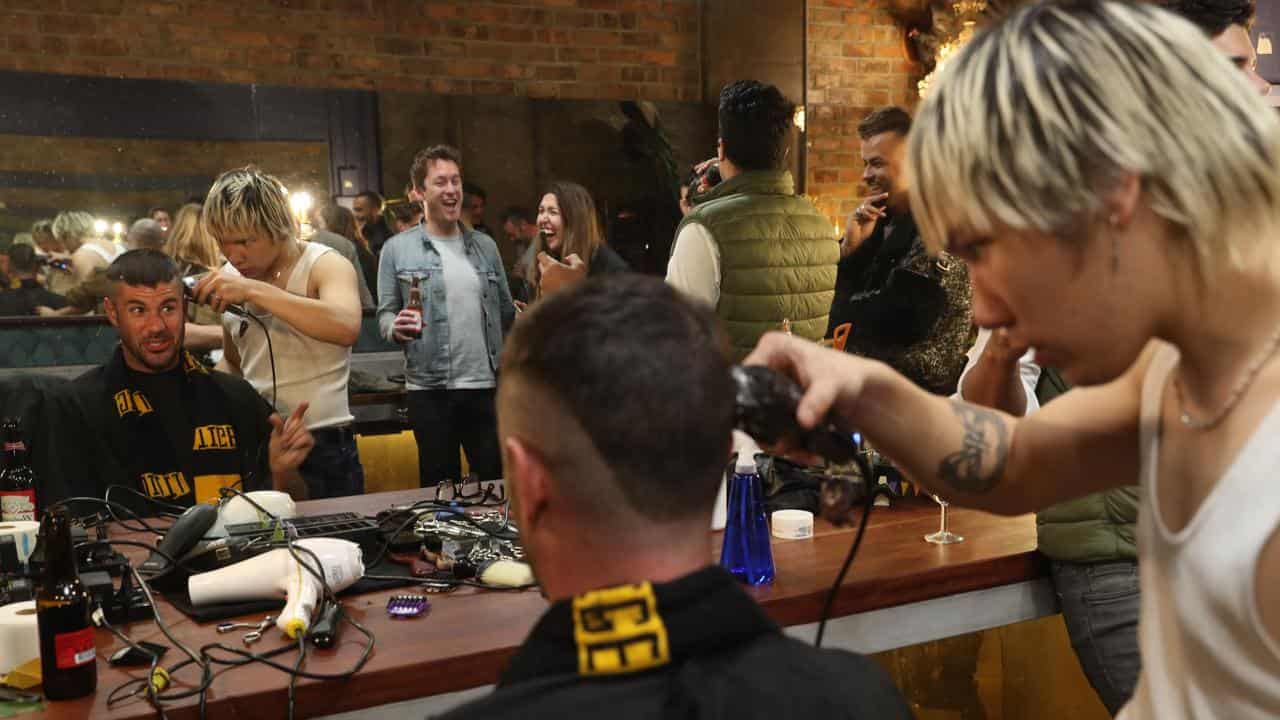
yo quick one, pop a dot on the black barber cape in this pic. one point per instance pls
(177, 436)
(698, 647)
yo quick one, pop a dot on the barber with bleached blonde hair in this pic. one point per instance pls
(1114, 184)
(306, 296)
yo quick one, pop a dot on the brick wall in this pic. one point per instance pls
(612, 49)
(857, 62)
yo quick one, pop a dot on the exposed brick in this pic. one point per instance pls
(555, 72)
(544, 48)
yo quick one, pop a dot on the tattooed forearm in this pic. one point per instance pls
(976, 466)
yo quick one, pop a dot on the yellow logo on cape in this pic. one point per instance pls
(618, 630)
(215, 437)
(165, 485)
(128, 401)
(190, 364)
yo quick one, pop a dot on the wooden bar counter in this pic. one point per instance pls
(465, 640)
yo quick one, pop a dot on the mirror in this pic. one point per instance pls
(116, 149)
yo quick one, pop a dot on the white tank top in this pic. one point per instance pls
(306, 368)
(1205, 653)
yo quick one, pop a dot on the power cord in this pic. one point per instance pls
(869, 478)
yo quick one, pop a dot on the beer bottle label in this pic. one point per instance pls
(74, 649)
(17, 505)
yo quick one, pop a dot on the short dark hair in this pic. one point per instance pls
(404, 211)
(473, 189)
(1214, 16)
(23, 259)
(374, 199)
(143, 267)
(157, 209)
(646, 375)
(424, 158)
(755, 120)
(519, 213)
(887, 119)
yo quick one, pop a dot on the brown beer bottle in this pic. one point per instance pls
(415, 303)
(68, 658)
(17, 480)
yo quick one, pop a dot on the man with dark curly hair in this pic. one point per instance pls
(752, 249)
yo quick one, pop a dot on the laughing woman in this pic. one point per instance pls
(570, 244)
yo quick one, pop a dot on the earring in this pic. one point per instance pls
(1114, 221)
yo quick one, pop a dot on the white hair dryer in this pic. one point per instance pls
(277, 574)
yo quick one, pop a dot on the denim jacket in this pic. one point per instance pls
(409, 255)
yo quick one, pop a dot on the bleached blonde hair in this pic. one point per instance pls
(71, 228)
(248, 202)
(1038, 119)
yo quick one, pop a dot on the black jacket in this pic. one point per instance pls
(606, 261)
(24, 300)
(877, 295)
(706, 650)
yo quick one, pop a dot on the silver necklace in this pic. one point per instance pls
(1238, 392)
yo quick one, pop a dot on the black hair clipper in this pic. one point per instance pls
(766, 402)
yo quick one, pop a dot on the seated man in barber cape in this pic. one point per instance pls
(156, 420)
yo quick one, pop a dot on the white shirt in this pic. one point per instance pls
(1028, 371)
(694, 268)
(306, 369)
(1206, 654)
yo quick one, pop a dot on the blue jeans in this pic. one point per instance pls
(333, 468)
(1100, 607)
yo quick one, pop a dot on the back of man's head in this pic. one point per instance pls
(142, 268)
(627, 371)
(755, 120)
(23, 260)
(1214, 16)
(145, 233)
(887, 119)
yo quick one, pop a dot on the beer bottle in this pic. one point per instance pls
(17, 480)
(68, 658)
(415, 303)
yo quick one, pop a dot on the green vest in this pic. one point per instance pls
(778, 257)
(1095, 528)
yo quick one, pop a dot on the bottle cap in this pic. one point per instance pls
(792, 524)
(747, 449)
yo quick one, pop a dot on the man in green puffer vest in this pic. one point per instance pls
(751, 248)
(1089, 541)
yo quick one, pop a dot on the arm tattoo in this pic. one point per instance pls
(976, 466)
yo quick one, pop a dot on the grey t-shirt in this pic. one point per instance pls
(468, 356)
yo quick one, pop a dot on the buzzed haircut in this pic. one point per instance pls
(1214, 16)
(374, 199)
(424, 158)
(143, 268)
(887, 119)
(146, 233)
(645, 373)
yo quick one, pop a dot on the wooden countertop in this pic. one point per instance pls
(468, 636)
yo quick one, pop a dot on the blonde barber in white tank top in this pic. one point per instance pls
(1148, 272)
(306, 294)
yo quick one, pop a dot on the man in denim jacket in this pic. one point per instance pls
(451, 350)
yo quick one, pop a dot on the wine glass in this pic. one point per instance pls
(943, 536)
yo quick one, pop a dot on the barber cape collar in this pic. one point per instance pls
(163, 469)
(638, 628)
